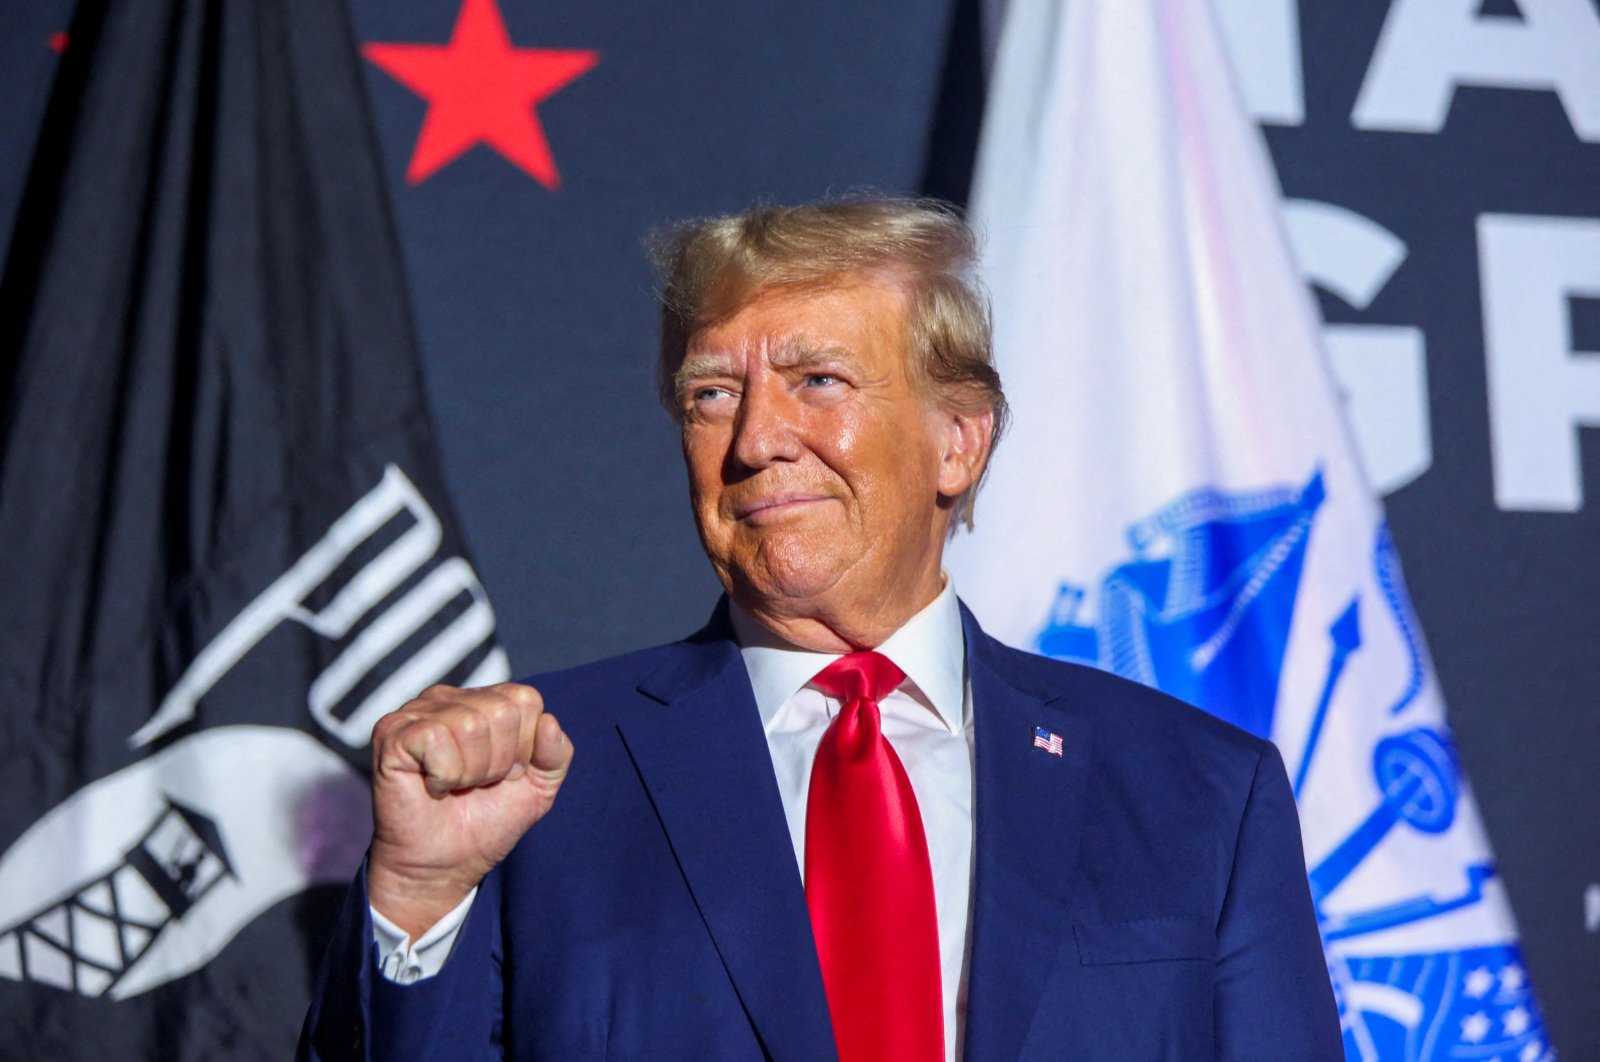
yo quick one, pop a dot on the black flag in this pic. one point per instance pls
(225, 540)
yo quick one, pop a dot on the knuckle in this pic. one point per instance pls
(472, 725)
(519, 694)
(391, 727)
(383, 727)
(504, 716)
(430, 732)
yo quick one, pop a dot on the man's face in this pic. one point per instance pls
(820, 473)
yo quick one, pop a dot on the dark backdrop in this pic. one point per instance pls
(535, 316)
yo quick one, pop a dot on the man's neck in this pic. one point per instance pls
(822, 629)
(929, 648)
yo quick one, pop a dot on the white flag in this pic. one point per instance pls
(1180, 499)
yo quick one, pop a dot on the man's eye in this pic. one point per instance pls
(821, 379)
(708, 394)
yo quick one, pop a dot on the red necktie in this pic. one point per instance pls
(869, 884)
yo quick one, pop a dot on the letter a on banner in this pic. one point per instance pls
(1180, 501)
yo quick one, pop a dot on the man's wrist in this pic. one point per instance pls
(412, 903)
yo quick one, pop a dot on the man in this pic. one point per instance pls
(774, 843)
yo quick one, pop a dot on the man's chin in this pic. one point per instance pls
(786, 576)
(786, 594)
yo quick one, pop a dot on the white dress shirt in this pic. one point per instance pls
(928, 720)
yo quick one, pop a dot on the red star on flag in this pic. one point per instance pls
(481, 90)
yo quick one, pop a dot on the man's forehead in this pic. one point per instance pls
(799, 323)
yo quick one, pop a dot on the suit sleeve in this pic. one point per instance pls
(1273, 995)
(357, 1015)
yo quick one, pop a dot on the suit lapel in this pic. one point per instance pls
(1028, 824)
(704, 760)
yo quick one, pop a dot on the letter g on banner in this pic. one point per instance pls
(1382, 370)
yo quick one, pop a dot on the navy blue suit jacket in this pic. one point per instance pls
(1140, 897)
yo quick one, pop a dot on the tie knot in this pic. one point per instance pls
(860, 676)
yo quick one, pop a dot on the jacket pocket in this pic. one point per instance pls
(1161, 939)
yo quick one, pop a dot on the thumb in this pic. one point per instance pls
(552, 751)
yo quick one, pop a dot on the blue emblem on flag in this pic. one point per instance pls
(1203, 610)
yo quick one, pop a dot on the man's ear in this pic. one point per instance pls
(967, 437)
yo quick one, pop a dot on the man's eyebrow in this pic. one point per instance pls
(696, 367)
(800, 354)
(703, 364)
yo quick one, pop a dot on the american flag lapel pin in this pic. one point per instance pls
(1048, 740)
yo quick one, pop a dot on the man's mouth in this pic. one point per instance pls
(776, 506)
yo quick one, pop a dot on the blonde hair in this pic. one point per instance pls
(712, 266)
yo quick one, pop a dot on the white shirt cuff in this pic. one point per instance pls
(404, 963)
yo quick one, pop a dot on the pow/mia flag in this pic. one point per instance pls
(227, 547)
(1181, 501)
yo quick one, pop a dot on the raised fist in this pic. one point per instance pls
(458, 776)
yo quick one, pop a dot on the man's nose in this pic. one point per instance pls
(765, 429)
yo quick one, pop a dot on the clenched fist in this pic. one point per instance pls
(458, 776)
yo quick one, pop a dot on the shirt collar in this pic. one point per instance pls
(930, 648)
